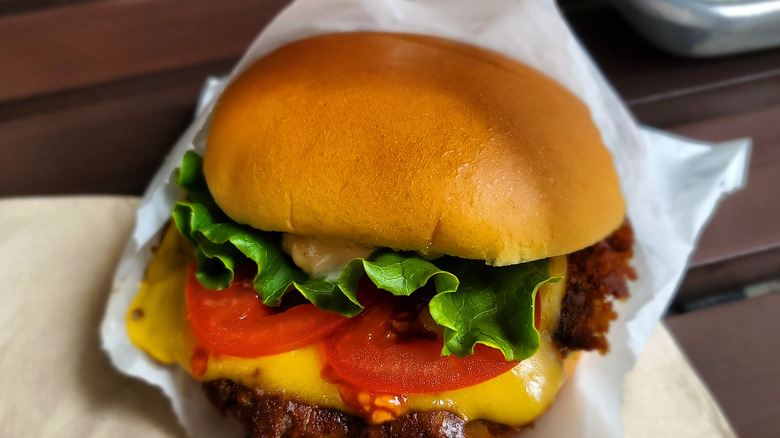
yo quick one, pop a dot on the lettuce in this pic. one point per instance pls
(475, 303)
(492, 306)
(223, 245)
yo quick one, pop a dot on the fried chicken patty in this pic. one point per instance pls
(596, 275)
(265, 415)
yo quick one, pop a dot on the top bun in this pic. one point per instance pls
(413, 143)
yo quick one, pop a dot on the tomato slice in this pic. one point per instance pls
(367, 353)
(235, 322)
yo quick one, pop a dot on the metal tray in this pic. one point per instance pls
(702, 28)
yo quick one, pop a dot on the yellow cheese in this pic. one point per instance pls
(157, 324)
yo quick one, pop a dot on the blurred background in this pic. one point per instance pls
(93, 93)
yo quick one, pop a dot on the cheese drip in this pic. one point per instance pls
(157, 323)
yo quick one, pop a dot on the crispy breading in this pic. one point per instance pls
(596, 275)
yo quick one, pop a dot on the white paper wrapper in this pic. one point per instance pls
(672, 186)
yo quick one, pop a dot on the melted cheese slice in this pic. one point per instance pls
(157, 323)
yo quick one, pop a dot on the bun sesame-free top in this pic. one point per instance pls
(413, 143)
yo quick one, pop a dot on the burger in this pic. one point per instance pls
(388, 235)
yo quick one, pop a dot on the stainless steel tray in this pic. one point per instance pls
(701, 28)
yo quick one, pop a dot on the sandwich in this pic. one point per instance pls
(388, 235)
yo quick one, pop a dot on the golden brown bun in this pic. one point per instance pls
(414, 143)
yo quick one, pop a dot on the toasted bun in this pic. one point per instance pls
(415, 143)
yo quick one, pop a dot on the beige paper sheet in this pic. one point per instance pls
(57, 259)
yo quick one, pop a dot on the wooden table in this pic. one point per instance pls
(93, 93)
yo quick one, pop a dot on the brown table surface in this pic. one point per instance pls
(94, 92)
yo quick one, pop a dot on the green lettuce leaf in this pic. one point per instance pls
(475, 303)
(493, 306)
(398, 273)
(223, 245)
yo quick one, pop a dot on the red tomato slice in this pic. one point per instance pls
(235, 322)
(365, 353)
